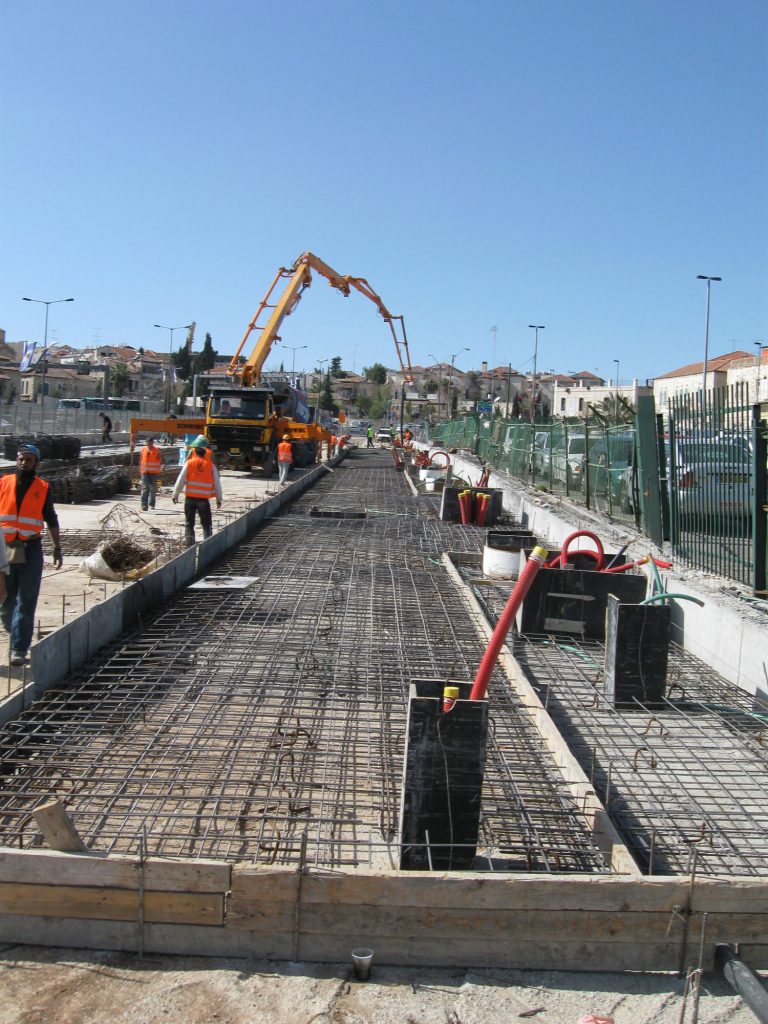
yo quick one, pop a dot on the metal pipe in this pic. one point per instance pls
(743, 981)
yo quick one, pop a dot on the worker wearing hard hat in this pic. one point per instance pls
(284, 458)
(206, 450)
(150, 467)
(200, 480)
(26, 506)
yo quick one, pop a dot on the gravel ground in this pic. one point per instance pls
(64, 986)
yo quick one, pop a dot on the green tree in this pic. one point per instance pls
(205, 360)
(182, 362)
(202, 361)
(119, 378)
(335, 368)
(376, 374)
(326, 396)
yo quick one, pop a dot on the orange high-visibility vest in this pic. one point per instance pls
(199, 478)
(25, 522)
(151, 461)
(285, 452)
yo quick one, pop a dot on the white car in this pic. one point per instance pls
(383, 436)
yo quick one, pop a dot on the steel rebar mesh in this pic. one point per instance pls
(248, 724)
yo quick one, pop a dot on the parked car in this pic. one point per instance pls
(712, 480)
(383, 435)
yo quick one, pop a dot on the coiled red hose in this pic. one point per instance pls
(562, 558)
(440, 452)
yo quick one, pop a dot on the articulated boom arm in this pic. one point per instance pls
(300, 277)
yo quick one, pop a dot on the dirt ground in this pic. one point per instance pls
(64, 986)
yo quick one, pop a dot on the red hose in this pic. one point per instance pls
(600, 553)
(506, 619)
(440, 452)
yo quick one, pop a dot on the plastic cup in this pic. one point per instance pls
(361, 958)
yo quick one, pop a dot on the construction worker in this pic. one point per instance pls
(207, 446)
(150, 467)
(369, 435)
(284, 458)
(200, 479)
(26, 505)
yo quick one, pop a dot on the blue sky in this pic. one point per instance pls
(568, 164)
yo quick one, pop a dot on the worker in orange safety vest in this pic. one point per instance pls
(150, 467)
(199, 478)
(26, 506)
(284, 458)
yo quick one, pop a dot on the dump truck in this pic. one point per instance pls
(245, 421)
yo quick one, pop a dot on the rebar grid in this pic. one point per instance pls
(247, 724)
(690, 772)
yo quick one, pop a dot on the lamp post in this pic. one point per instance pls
(319, 381)
(709, 280)
(439, 370)
(450, 378)
(536, 328)
(616, 395)
(46, 303)
(184, 327)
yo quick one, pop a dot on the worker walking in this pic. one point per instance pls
(150, 467)
(106, 428)
(284, 458)
(26, 505)
(369, 435)
(200, 479)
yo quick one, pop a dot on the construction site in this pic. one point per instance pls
(234, 762)
(396, 706)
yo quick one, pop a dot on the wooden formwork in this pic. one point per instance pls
(611, 923)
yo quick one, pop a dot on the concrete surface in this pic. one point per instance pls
(43, 986)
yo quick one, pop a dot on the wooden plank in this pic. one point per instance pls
(58, 828)
(92, 869)
(428, 889)
(110, 904)
(481, 925)
(190, 940)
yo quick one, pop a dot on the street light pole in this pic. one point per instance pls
(46, 303)
(439, 370)
(616, 396)
(450, 378)
(536, 328)
(709, 280)
(184, 327)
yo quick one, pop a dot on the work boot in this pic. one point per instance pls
(18, 657)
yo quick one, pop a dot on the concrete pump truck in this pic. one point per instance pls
(246, 420)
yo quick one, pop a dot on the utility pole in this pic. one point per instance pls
(536, 328)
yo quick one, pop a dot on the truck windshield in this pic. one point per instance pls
(239, 407)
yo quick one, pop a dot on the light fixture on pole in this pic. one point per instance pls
(184, 327)
(43, 358)
(536, 328)
(450, 378)
(616, 395)
(493, 333)
(709, 280)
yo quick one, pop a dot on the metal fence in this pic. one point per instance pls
(714, 451)
(23, 418)
(697, 480)
(592, 464)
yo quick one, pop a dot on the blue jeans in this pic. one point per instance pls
(23, 586)
(148, 489)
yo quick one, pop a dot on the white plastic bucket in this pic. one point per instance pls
(500, 563)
